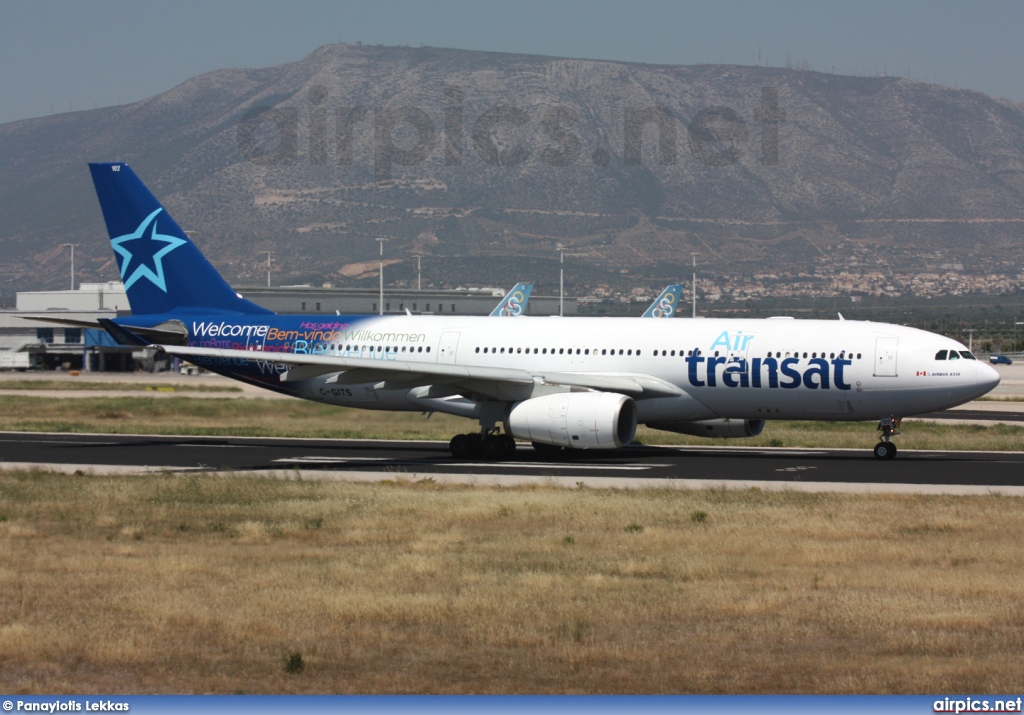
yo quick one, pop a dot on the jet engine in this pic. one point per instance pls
(578, 420)
(727, 428)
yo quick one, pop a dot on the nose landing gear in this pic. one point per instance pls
(889, 427)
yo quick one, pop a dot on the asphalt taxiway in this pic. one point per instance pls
(817, 469)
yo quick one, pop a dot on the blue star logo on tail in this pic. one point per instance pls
(152, 247)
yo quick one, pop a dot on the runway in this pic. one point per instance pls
(837, 470)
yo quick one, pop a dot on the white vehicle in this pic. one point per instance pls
(569, 383)
(15, 360)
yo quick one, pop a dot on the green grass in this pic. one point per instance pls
(72, 385)
(299, 418)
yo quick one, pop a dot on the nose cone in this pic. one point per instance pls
(985, 378)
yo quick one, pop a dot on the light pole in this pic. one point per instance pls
(1015, 324)
(381, 240)
(693, 283)
(419, 273)
(269, 254)
(561, 280)
(72, 247)
(970, 339)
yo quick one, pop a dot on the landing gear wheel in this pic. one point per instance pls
(510, 442)
(885, 450)
(495, 447)
(464, 446)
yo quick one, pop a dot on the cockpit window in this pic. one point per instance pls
(967, 355)
(953, 355)
(941, 355)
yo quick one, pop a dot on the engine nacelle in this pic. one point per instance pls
(727, 428)
(579, 420)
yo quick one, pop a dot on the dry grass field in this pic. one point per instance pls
(230, 583)
(298, 418)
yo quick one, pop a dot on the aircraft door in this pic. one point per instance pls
(448, 345)
(736, 360)
(735, 373)
(885, 357)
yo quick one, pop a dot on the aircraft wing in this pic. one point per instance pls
(414, 372)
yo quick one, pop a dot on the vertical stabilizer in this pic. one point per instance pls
(162, 270)
(665, 305)
(515, 302)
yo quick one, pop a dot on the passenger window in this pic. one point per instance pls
(941, 355)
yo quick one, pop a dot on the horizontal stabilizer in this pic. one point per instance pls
(170, 333)
(122, 335)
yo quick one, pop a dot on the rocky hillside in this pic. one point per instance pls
(483, 162)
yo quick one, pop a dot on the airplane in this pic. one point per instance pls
(561, 383)
(665, 305)
(514, 302)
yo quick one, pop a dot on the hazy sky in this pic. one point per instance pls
(57, 55)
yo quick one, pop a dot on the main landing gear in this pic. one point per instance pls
(889, 427)
(490, 445)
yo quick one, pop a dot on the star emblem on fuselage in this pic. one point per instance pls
(152, 245)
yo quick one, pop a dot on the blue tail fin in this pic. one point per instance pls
(161, 268)
(515, 302)
(665, 305)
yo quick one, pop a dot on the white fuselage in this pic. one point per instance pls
(745, 369)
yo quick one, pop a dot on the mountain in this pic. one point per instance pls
(484, 162)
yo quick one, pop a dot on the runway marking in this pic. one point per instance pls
(794, 469)
(62, 441)
(208, 446)
(507, 465)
